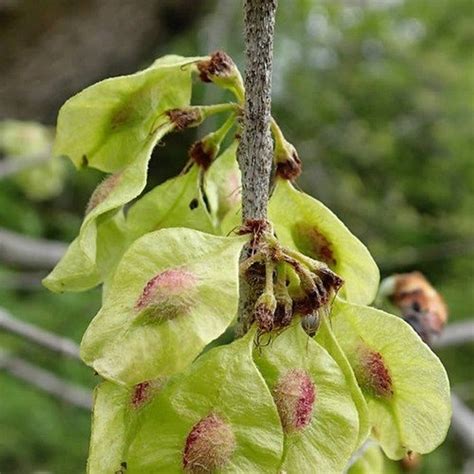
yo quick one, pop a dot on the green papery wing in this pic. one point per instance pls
(176, 202)
(106, 125)
(78, 269)
(174, 291)
(371, 462)
(325, 337)
(223, 183)
(224, 382)
(305, 224)
(116, 416)
(327, 442)
(405, 384)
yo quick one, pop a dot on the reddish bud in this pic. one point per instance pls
(264, 312)
(295, 395)
(372, 373)
(209, 445)
(102, 191)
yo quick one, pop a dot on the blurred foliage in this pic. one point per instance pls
(377, 98)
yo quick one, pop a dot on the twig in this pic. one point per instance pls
(47, 381)
(11, 165)
(368, 443)
(462, 422)
(455, 334)
(39, 336)
(255, 148)
(17, 249)
(22, 280)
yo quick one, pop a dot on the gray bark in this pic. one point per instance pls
(49, 340)
(20, 250)
(46, 381)
(255, 149)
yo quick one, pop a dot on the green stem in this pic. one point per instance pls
(217, 137)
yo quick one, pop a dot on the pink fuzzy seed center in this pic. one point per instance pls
(173, 282)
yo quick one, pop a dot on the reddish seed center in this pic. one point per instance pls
(373, 374)
(295, 395)
(209, 445)
(168, 283)
(141, 394)
(304, 406)
(311, 241)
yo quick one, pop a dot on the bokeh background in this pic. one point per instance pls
(377, 96)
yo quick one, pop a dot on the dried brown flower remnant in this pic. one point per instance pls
(202, 154)
(219, 64)
(288, 167)
(184, 118)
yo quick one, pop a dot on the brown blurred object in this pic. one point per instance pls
(51, 49)
(420, 304)
(411, 462)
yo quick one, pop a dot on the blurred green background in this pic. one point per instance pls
(376, 95)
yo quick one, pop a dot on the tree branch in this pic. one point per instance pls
(17, 249)
(455, 334)
(13, 165)
(39, 336)
(255, 149)
(462, 422)
(46, 381)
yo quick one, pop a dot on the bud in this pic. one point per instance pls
(221, 70)
(102, 191)
(288, 163)
(167, 294)
(295, 395)
(209, 445)
(372, 373)
(264, 311)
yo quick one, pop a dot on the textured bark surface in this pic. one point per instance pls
(255, 149)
